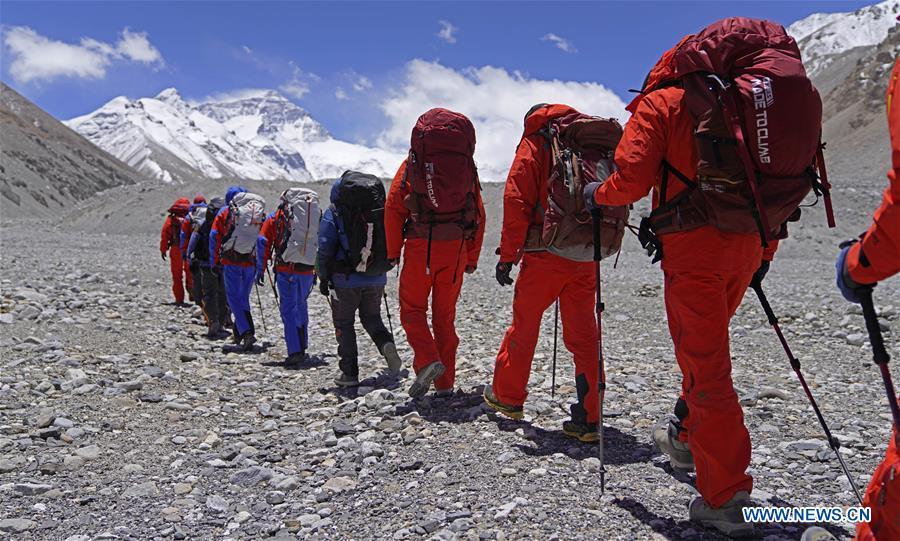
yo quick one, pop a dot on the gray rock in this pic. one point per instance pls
(31, 489)
(251, 476)
(141, 490)
(90, 452)
(217, 503)
(17, 525)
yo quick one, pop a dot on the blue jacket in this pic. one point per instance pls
(333, 246)
(229, 195)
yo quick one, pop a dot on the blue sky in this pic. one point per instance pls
(341, 60)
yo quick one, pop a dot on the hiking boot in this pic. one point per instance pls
(295, 359)
(586, 432)
(513, 412)
(346, 380)
(443, 393)
(248, 340)
(817, 534)
(214, 330)
(728, 519)
(665, 440)
(389, 352)
(424, 379)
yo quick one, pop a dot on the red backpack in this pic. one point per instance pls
(582, 149)
(442, 178)
(757, 126)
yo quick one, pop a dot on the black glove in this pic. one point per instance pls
(760, 273)
(589, 202)
(502, 273)
(323, 286)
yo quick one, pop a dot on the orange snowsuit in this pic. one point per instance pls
(875, 258)
(544, 277)
(450, 259)
(706, 274)
(169, 240)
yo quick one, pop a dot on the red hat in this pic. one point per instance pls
(199, 199)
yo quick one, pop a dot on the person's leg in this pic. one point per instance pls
(577, 309)
(208, 289)
(248, 277)
(197, 284)
(344, 303)
(287, 295)
(234, 293)
(222, 300)
(698, 309)
(415, 289)
(883, 498)
(537, 287)
(370, 315)
(304, 285)
(188, 278)
(176, 266)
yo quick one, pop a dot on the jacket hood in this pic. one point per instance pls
(195, 204)
(180, 206)
(335, 190)
(233, 191)
(538, 119)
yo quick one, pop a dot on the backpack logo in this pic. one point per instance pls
(763, 98)
(429, 183)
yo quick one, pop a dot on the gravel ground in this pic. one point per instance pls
(118, 420)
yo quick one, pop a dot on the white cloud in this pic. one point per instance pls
(136, 47)
(299, 83)
(341, 94)
(231, 95)
(447, 31)
(560, 42)
(362, 83)
(496, 101)
(34, 57)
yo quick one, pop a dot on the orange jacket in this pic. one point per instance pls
(877, 256)
(526, 193)
(660, 129)
(169, 237)
(396, 214)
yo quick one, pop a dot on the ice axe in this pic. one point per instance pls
(879, 352)
(833, 442)
(596, 217)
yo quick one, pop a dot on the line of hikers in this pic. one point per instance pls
(725, 133)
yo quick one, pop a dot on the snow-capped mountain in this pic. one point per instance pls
(268, 118)
(825, 37)
(260, 135)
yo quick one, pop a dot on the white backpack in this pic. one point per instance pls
(197, 217)
(301, 233)
(246, 214)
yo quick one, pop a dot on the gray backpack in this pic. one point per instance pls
(298, 232)
(246, 214)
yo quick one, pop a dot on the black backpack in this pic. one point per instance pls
(360, 205)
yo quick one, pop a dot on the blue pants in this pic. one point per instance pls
(292, 291)
(238, 286)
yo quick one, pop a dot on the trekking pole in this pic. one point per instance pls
(388, 310)
(596, 216)
(272, 282)
(879, 353)
(555, 338)
(262, 315)
(833, 442)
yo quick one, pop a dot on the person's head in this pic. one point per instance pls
(233, 191)
(214, 205)
(198, 199)
(336, 189)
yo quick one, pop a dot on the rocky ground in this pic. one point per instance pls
(118, 420)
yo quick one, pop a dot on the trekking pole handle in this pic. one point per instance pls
(879, 353)
(596, 218)
(756, 286)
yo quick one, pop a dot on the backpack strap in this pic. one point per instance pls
(664, 184)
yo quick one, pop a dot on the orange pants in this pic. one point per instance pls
(543, 278)
(178, 266)
(883, 497)
(699, 306)
(443, 285)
